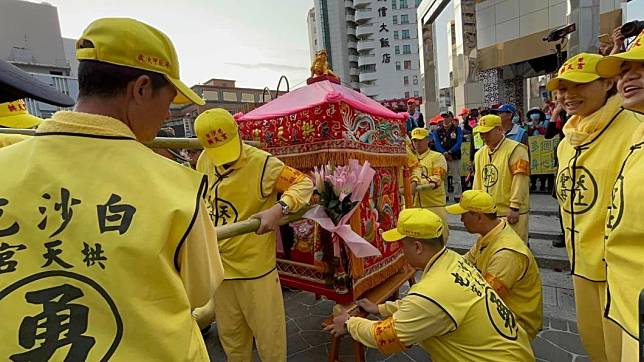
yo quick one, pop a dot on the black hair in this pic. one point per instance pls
(99, 79)
(491, 215)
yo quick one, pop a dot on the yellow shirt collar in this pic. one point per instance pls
(580, 130)
(433, 259)
(484, 240)
(85, 123)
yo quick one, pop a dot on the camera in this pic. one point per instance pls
(632, 28)
(560, 33)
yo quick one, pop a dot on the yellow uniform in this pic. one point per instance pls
(98, 263)
(509, 267)
(504, 173)
(431, 166)
(452, 313)
(624, 250)
(249, 302)
(9, 139)
(588, 168)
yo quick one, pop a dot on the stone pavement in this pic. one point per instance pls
(558, 342)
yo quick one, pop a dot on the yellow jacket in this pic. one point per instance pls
(248, 186)
(589, 160)
(504, 174)
(431, 166)
(452, 313)
(107, 236)
(624, 232)
(9, 139)
(509, 267)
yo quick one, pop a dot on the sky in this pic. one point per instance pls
(251, 41)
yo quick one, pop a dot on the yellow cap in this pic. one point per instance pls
(582, 68)
(473, 200)
(488, 123)
(133, 44)
(415, 223)
(611, 65)
(14, 115)
(419, 134)
(217, 132)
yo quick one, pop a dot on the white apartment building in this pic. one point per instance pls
(372, 44)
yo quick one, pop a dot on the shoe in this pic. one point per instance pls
(559, 243)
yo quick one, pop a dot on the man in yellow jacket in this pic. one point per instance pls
(452, 313)
(108, 257)
(503, 258)
(429, 170)
(503, 171)
(245, 183)
(624, 230)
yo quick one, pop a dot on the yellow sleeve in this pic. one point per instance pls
(416, 320)
(416, 173)
(506, 267)
(520, 168)
(439, 169)
(387, 309)
(478, 168)
(200, 266)
(296, 187)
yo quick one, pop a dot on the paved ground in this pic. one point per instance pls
(558, 342)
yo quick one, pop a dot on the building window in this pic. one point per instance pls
(395, 19)
(405, 34)
(416, 94)
(403, 4)
(406, 49)
(393, 4)
(397, 49)
(406, 80)
(247, 97)
(404, 19)
(415, 80)
(230, 96)
(396, 35)
(397, 65)
(406, 94)
(407, 64)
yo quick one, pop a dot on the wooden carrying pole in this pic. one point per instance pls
(159, 142)
(251, 225)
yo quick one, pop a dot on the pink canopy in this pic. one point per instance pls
(316, 94)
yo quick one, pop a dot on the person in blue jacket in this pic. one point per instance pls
(447, 140)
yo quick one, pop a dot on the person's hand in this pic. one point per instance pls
(336, 328)
(448, 157)
(269, 219)
(368, 306)
(513, 216)
(618, 41)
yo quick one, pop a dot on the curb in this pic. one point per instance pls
(531, 234)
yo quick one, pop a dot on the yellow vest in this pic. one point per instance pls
(524, 298)
(71, 247)
(486, 329)
(495, 174)
(235, 195)
(624, 249)
(584, 179)
(428, 163)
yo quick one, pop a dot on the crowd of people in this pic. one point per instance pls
(151, 273)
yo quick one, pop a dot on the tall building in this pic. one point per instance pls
(372, 44)
(30, 39)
